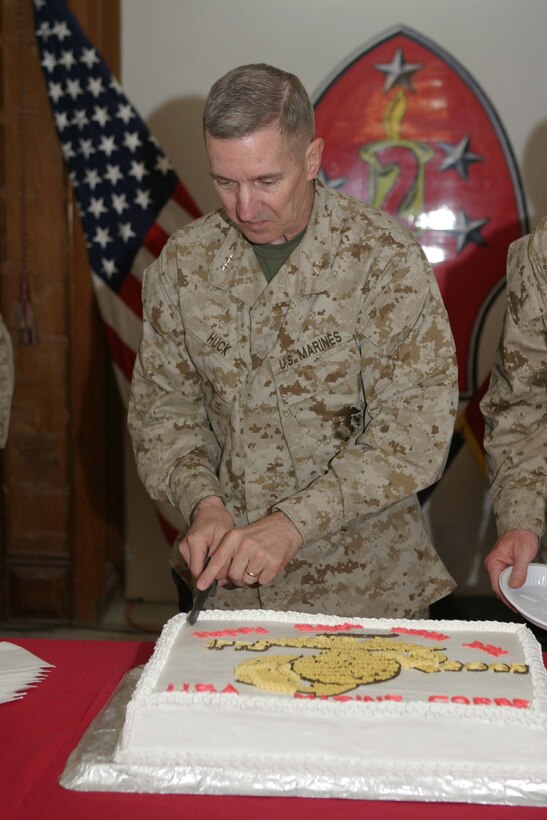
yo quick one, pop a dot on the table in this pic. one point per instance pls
(39, 732)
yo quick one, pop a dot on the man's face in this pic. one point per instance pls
(264, 182)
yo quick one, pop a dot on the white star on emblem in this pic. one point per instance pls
(97, 207)
(468, 230)
(458, 157)
(331, 183)
(398, 72)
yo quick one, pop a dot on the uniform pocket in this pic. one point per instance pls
(332, 373)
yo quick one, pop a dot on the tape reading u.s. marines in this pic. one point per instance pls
(318, 345)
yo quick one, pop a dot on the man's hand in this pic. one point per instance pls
(516, 548)
(210, 523)
(255, 553)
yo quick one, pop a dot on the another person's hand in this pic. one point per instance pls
(210, 523)
(516, 548)
(255, 553)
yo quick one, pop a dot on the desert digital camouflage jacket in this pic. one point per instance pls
(515, 406)
(6, 381)
(329, 394)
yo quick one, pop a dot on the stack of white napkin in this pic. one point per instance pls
(19, 670)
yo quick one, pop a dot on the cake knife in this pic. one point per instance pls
(200, 599)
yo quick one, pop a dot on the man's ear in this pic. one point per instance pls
(314, 152)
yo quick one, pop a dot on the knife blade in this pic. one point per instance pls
(199, 600)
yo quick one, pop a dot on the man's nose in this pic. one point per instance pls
(248, 205)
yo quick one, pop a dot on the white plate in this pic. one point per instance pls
(531, 598)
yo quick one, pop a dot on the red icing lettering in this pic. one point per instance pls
(488, 648)
(396, 698)
(342, 698)
(516, 703)
(326, 627)
(229, 690)
(171, 688)
(303, 696)
(422, 633)
(232, 633)
(205, 687)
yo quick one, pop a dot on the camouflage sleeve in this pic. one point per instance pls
(176, 451)
(515, 406)
(6, 381)
(409, 379)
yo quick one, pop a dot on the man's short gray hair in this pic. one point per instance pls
(255, 96)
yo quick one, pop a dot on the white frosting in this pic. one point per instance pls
(320, 739)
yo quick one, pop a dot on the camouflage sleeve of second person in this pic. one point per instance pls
(515, 406)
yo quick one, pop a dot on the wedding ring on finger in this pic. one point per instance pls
(252, 574)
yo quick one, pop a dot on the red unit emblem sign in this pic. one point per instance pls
(408, 130)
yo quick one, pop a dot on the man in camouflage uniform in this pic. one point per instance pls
(291, 408)
(6, 381)
(515, 413)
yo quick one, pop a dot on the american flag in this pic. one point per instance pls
(129, 197)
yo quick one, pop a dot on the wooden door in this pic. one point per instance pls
(61, 539)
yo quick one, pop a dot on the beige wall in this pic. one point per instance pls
(173, 50)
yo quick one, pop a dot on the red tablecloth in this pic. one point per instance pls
(38, 733)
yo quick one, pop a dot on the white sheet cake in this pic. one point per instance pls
(260, 702)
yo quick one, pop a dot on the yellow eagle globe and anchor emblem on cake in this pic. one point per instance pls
(342, 663)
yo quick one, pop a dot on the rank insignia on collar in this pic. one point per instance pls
(227, 262)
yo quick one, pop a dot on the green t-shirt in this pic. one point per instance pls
(271, 257)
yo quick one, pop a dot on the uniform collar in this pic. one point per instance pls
(235, 267)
